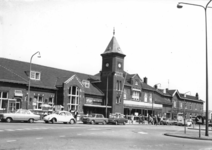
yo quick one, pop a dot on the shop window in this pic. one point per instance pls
(51, 101)
(38, 101)
(181, 105)
(73, 97)
(3, 100)
(34, 75)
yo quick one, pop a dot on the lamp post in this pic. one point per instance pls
(29, 76)
(152, 98)
(180, 5)
(184, 116)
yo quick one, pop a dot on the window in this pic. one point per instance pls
(135, 95)
(125, 94)
(86, 83)
(35, 75)
(118, 85)
(185, 106)
(150, 97)
(73, 96)
(175, 104)
(117, 100)
(38, 100)
(3, 100)
(181, 105)
(51, 101)
(145, 97)
(136, 82)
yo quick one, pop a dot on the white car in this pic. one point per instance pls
(60, 116)
(20, 115)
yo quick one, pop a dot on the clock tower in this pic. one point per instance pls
(112, 76)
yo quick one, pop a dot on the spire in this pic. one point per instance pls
(113, 46)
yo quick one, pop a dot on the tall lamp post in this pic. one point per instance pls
(184, 116)
(152, 98)
(30, 75)
(180, 5)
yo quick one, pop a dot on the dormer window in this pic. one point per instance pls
(86, 83)
(34, 75)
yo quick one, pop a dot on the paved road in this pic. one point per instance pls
(39, 136)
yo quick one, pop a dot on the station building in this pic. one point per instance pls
(109, 91)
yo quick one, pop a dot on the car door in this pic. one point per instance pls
(61, 117)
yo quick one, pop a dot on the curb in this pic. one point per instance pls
(187, 137)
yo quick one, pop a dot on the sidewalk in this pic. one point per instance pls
(191, 133)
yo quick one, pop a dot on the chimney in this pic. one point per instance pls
(156, 87)
(164, 91)
(145, 80)
(197, 95)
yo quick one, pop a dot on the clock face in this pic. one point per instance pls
(107, 64)
(119, 65)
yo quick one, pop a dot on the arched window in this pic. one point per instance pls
(73, 96)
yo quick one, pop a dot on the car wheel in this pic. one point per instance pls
(31, 120)
(8, 120)
(46, 122)
(92, 122)
(71, 121)
(53, 120)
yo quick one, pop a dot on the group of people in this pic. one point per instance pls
(154, 120)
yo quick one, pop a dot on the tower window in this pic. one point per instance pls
(118, 85)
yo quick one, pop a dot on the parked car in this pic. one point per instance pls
(163, 121)
(95, 119)
(19, 115)
(171, 122)
(117, 118)
(60, 116)
(188, 122)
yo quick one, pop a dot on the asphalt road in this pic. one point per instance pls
(40, 136)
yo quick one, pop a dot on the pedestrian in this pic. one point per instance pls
(132, 118)
(75, 115)
(156, 120)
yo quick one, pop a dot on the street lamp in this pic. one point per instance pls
(180, 5)
(152, 98)
(30, 75)
(184, 116)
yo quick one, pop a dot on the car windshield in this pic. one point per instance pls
(92, 115)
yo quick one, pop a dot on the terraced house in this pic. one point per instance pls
(109, 91)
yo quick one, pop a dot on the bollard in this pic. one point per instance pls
(199, 131)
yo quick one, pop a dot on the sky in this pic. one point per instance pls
(161, 42)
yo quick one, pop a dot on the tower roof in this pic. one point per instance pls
(113, 46)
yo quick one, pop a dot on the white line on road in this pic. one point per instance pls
(93, 129)
(11, 140)
(39, 138)
(1, 130)
(142, 132)
(62, 136)
(10, 130)
(19, 129)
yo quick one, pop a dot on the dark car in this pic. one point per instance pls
(95, 119)
(117, 118)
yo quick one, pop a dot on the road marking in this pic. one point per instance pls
(11, 140)
(1, 130)
(79, 134)
(142, 132)
(39, 138)
(93, 129)
(62, 136)
(10, 130)
(19, 129)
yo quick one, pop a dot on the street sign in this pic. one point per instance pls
(199, 120)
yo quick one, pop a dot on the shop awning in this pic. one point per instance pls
(101, 106)
(133, 104)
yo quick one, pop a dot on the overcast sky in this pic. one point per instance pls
(161, 42)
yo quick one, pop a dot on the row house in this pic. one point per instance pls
(109, 91)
